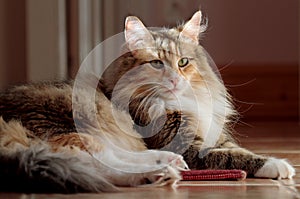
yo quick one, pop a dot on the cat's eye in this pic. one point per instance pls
(157, 64)
(183, 62)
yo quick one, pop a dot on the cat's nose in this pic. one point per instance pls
(174, 81)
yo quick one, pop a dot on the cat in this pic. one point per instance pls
(41, 149)
(177, 101)
(157, 110)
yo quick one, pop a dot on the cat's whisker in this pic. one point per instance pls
(246, 110)
(143, 94)
(225, 66)
(149, 97)
(146, 100)
(242, 84)
(249, 103)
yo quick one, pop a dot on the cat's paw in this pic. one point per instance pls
(162, 177)
(276, 168)
(178, 163)
(169, 166)
(167, 158)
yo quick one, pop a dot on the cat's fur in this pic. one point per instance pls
(198, 109)
(42, 149)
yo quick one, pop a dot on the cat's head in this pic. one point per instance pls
(167, 58)
(163, 63)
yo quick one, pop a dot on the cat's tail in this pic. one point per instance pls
(31, 166)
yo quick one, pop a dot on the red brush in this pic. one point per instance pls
(195, 175)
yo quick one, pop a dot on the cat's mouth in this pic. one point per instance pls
(172, 93)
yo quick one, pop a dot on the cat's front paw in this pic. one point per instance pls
(167, 158)
(276, 168)
(169, 169)
(166, 176)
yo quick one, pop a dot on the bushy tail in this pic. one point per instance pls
(31, 166)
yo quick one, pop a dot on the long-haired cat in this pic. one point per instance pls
(41, 150)
(178, 103)
(160, 94)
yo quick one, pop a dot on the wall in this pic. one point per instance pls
(254, 32)
(240, 32)
(2, 41)
(46, 44)
(32, 41)
(12, 42)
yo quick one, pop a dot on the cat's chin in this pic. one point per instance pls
(173, 94)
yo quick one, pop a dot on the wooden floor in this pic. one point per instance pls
(273, 139)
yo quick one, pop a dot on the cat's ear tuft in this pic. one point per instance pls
(137, 36)
(194, 27)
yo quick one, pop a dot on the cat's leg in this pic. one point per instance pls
(235, 157)
(153, 171)
(124, 168)
(92, 145)
(276, 168)
(226, 154)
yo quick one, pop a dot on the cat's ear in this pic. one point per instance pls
(194, 27)
(137, 36)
